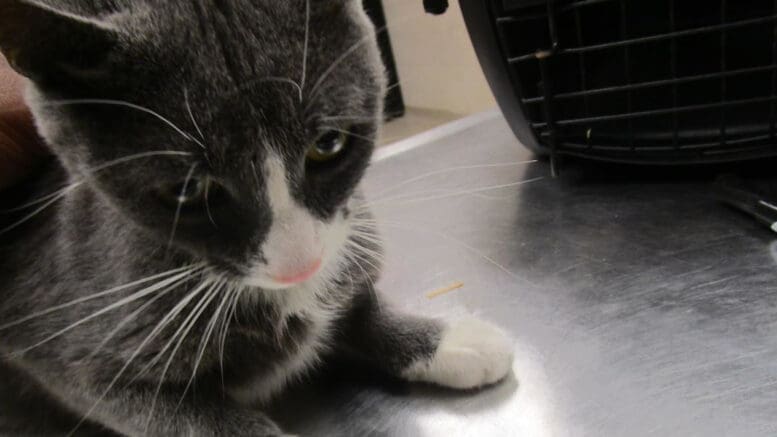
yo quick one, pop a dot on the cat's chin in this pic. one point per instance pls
(269, 284)
(266, 284)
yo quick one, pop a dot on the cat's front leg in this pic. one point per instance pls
(463, 354)
(136, 412)
(471, 353)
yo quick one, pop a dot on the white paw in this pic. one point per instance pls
(471, 354)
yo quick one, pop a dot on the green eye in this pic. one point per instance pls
(327, 146)
(184, 193)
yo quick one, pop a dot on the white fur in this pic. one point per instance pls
(471, 354)
(299, 300)
(294, 241)
(304, 299)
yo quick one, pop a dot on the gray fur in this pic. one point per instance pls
(223, 59)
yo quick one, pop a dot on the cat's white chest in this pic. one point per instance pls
(304, 303)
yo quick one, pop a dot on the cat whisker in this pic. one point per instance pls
(355, 260)
(172, 314)
(456, 193)
(366, 227)
(166, 320)
(354, 117)
(365, 251)
(237, 292)
(132, 316)
(348, 52)
(180, 204)
(32, 203)
(133, 157)
(364, 259)
(52, 198)
(122, 103)
(182, 333)
(367, 234)
(205, 339)
(350, 279)
(364, 118)
(408, 196)
(291, 82)
(37, 211)
(364, 237)
(391, 87)
(121, 302)
(187, 269)
(347, 132)
(464, 245)
(368, 255)
(207, 206)
(272, 79)
(191, 114)
(449, 170)
(411, 196)
(418, 229)
(368, 237)
(305, 50)
(256, 173)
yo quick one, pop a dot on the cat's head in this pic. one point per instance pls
(230, 130)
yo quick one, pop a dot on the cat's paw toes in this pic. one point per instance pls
(471, 354)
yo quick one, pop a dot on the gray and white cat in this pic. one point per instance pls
(199, 239)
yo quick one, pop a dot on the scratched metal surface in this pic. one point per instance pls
(637, 308)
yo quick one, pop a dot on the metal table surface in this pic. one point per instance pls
(636, 308)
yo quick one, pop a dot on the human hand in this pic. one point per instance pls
(20, 146)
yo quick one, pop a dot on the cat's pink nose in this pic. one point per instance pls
(299, 276)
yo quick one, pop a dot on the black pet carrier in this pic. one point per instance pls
(638, 81)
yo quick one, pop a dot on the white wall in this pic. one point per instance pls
(437, 65)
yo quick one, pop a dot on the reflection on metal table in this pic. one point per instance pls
(637, 308)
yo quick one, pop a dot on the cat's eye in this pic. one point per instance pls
(185, 193)
(327, 146)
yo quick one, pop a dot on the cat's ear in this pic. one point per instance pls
(49, 45)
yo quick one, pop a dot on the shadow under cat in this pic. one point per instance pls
(374, 403)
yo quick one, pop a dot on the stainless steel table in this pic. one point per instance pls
(637, 308)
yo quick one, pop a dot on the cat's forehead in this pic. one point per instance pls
(269, 59)
(242, 40)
